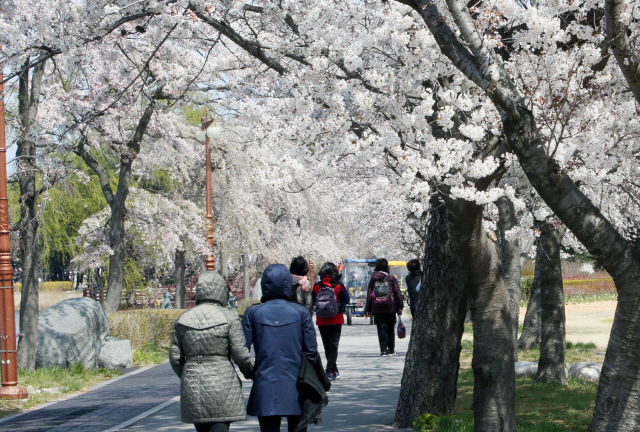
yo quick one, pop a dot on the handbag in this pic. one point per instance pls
(402, 330)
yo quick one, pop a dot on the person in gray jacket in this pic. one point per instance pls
(205, 339)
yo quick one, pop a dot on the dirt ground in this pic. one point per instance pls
(49, 298)
(587, 322)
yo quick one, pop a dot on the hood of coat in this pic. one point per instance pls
(212, 287)
(379, 275)
(276, 283)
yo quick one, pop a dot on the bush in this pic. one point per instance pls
(144, 327)
(526, 282)
(245, 304)
(425, 423)
(50, 286)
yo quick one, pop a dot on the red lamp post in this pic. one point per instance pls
(207, 131)
(8, 345)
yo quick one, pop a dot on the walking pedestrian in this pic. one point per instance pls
(413, 280)
(299, 269)
(205, 339)
(283, 337)
(384, 301)
(331, 298)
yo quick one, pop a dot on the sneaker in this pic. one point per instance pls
(336, 374)
(331, 376)
(384, 354)
(391, 353)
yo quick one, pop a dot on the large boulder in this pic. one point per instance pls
(526, 368)
(585, 371)
(71, 331)
(115, 354)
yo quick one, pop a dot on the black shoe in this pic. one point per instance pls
(391, 353)
(384, 354)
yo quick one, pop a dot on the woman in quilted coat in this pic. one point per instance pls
(205, 339)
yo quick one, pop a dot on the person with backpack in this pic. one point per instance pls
(413, 279)
(384, 301)
(299, 269)
(330, 297)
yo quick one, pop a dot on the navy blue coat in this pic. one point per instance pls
(280, 331)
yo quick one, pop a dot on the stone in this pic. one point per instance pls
(526, 368)
(52, 390)
(115, 354)
(71, 331)
(587, 371)
(601, 353)
(30, 389)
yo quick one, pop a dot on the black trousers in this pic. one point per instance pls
(272, 423)
(386, 323)
(330, 335)
(212, 427)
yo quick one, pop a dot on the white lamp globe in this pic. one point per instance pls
(214, 132)
(201, 136)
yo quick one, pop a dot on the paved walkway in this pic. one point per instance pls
(364, 399)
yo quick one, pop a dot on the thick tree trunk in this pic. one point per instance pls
(28, 102)
(552, 345)
(178, 276)
(246, 276)
(493, 341)
(224, 262)
(510, 258)
(430, 377)
(115, 281)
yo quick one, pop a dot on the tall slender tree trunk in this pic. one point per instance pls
(223, 266)
(552, 345)
(532, 326)
(178, 276)
(246, 276)
(115, 281)
(510, 257)
(493, 341)
(430, 377)
(28, 102)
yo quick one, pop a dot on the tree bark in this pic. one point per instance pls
(623, 48)
(224, 262)
(117, 203)
(28, 103)
(246, 273)
(552, 346)
(493, 342)
(510, 258)
(532, 326)
(178, 276)
(430, 377)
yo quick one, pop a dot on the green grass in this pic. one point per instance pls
(150, 354)
(539, 407)
(70, 380)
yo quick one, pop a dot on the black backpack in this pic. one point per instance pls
(382, 293)
(326, 302)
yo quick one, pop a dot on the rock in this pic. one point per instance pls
(585, 370)
(71, 331)
(526, 368)
(601, 353)
(115, 354)
(52, 390)
(111, 339)
(30, 389)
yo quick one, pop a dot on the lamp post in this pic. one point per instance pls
(8, 345)
(207, 132)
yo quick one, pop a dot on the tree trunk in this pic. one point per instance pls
(532, 327)
(28, 102)
(552, 346)
(115, 282)
(430, 377)
(178, 277)
(246, 273)
(510, 258)
(493, 342)
(224, 263)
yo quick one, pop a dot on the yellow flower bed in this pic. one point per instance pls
(566, 282)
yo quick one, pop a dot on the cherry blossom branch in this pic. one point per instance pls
(623, 51)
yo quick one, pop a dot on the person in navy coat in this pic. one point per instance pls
(281, 333)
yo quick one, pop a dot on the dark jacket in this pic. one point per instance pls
(282, 333)
(396, 295)
(313, 386)
(412, 282)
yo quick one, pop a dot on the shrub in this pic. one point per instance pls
(245, 304)
(425, 423)
(144, 327)
(526, 282)
(50, 286)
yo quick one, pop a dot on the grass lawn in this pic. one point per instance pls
(539, 407)
(71, 380)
